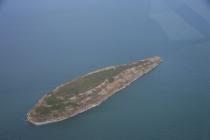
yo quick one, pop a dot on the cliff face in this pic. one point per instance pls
(83, 101)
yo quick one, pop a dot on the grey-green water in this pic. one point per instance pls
(44, 43)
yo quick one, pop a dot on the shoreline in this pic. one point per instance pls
(92, 105)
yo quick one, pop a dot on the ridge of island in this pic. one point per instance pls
(88, 91)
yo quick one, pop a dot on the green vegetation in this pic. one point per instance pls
(82, 84)
(66, 100)
(87, 82)
(43, 110)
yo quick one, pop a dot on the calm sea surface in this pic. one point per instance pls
(44, 43)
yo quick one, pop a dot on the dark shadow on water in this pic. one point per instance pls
(2, 3)
(208, 2)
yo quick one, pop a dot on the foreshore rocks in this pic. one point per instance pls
(95, 96)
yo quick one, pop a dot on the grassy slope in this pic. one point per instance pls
(77, 86)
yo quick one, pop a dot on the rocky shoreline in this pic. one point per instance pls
(104, 91)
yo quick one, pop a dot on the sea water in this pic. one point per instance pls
(45, 43)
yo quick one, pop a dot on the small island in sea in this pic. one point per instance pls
(88, 91)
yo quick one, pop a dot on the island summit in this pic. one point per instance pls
(88, 91)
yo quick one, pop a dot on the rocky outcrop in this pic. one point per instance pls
(95, 96)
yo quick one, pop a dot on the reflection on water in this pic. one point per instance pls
(181, 20)
(189, 15)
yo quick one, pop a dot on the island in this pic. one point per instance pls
(88, 91)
